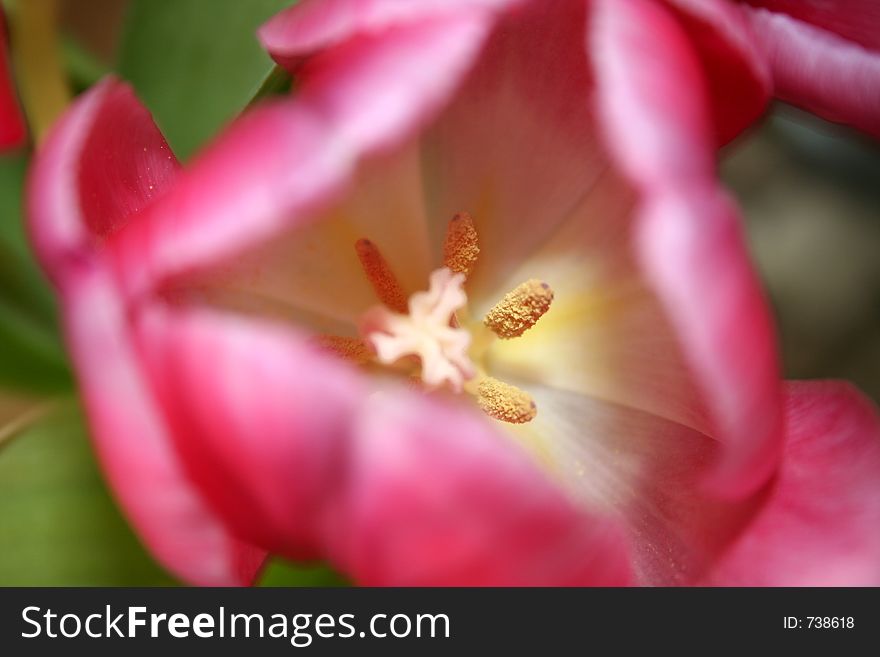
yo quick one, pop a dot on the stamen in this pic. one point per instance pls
(461, 248)
(381, 277)
(520, 309)
(425, 332)
(505, 402)
(352, 349)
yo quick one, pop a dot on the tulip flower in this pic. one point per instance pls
(12, 128)
(823, 56)
(470, 307)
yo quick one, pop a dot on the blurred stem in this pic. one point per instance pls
(28, 417)
(36, 54)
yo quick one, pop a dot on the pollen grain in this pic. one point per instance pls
(379, 273)
(520, 309)
(461, 247)
(505, 402)
(352, 349)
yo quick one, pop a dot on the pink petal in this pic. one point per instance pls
(652, 93)
(519, 148)
(13, 131)
(396, 488)
(854, 20)
(606, 335)
(133, 444)
(260, 419)
(819, 524)
(436, 497)
(735, 71)
(821, 71)
(125, 163)
(310, 275)
(723, 320)
(104, 161)
(689, 242)
(129, 435)
(313, 25)
(640, 469)
(285, 163)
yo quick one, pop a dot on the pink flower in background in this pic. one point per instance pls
(470, 308)
(824, 55)
(12, 128)
(821, 55)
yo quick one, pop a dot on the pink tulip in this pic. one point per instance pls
(301, 342)
(12, 128)
(824, 55)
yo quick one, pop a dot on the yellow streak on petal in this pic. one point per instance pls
(505, 402)
(461, 247)
(520, 309)
(381, 277)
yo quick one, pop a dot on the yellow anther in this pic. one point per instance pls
(461, 248)
(381, 277)
(352, 349)
(505, 402)
(520, 309)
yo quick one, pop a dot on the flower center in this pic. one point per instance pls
(428, 331)
(423, 333)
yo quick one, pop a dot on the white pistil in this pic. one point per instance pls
(425, 332)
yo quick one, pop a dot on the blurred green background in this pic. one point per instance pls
(810, 193)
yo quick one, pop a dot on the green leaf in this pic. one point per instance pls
(58, 525)
(12, 175)
(285, 573)
(31, 354)
(195, 63)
